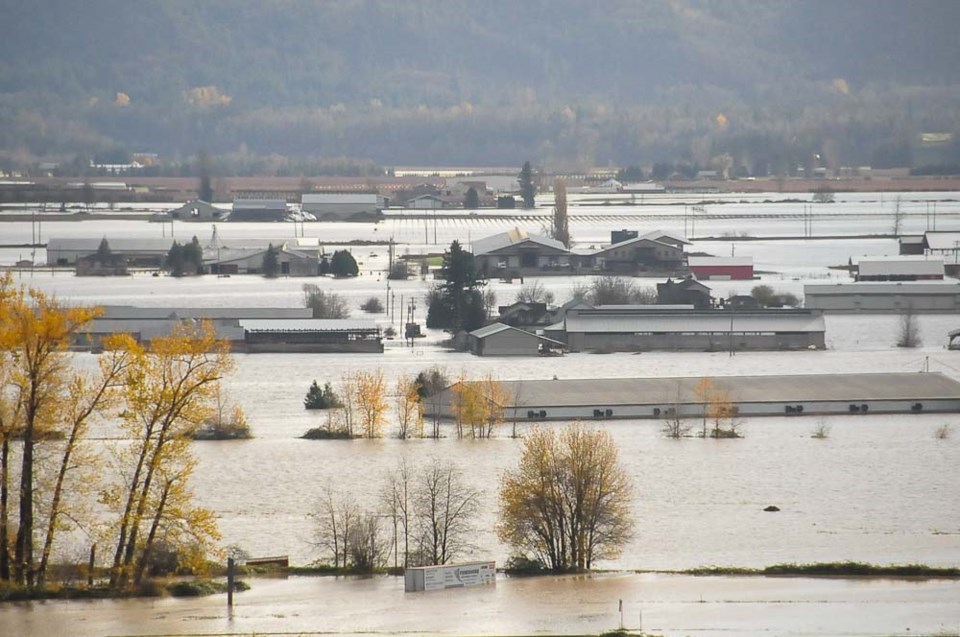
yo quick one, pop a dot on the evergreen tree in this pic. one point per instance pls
(324, 398)
(205, 191)
(471, 199)
(103, 251)
(527, 189)
(175, 260)
(343, 264)
(193, 257)
(271, 265)
(457, 304)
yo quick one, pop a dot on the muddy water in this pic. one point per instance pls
(662, 604)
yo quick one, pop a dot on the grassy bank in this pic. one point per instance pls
(833, 569)
(153, 588)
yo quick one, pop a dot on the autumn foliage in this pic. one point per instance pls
(567, 503)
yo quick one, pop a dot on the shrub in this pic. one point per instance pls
(324, 433)
(325, 305)
(372, 306)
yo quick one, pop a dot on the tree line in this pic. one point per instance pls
(135, 499)
(565, 505)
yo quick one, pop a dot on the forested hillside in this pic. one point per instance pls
(563, 82)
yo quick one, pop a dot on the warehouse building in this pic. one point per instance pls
(341, 206)
(647, 328)
(145, 253)
(258, 210)
(251, 330)
(900, 269)
(883, 297)
(685, 397)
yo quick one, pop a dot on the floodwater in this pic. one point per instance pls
(879, 489)
(658, 604)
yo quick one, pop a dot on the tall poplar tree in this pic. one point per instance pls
(528, 189)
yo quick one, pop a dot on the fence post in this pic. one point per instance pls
(230, 565)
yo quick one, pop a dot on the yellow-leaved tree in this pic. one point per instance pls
(170, 390)
(567, 503)
(409, 408)
(371, 401)
(43, 398)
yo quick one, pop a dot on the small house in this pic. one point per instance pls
(687, 291)
(498, 339)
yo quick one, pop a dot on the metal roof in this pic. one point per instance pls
(694, 262)
(259, 204)
(657, 235)
(150, 328)
(513, 237)
(893, 266)
(757, 389)
(496, 328)
(869, 287)
(129, 312)
(708, 321)
(307, 325)
(644, 238)
(489, 330)
(339, 198)
(942, 240)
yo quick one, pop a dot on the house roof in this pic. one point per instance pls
(942, 240)
(656, 237)
(513, 237)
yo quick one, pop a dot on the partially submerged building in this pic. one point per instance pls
(251, 330)
(290, 261)
(900, 269)
(646, 328)
(516, 253)
(498, 339)
(685, 291)
(883, 297)
(258, 210)
(195, 210)
(143, 253)
(342, 206)
(685, 397)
